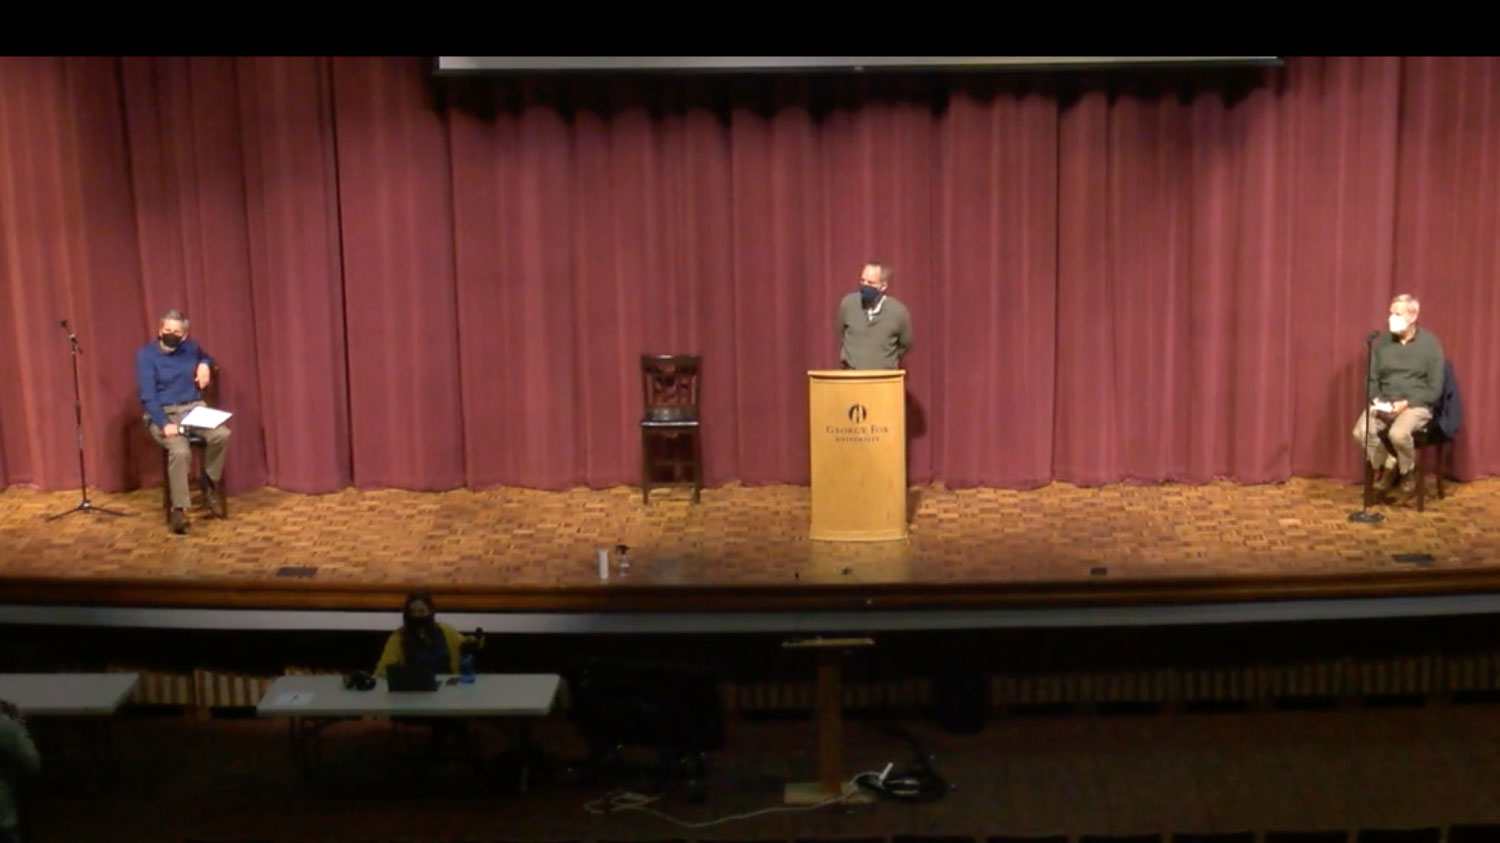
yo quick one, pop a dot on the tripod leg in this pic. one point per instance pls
(87, 507)
(105, 511)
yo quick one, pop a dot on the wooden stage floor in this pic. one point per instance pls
(746, 548)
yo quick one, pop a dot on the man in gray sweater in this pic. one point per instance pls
(1406, 378)
(874, 329)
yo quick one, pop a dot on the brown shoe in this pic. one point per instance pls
(179, 521)
(1409, 487)
(1385, 478)
(215, 500)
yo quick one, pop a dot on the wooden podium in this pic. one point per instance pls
(857, 428)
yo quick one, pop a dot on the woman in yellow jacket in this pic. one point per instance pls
(422, 641)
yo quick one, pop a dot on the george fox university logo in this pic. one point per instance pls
(858, 413)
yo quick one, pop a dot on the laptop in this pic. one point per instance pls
(400, 677)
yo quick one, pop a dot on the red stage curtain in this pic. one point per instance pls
(421, 283)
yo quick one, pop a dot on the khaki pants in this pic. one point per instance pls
(180, 453)
(1399, 430)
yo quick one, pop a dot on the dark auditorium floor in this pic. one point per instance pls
(230, 779)
(752, 536)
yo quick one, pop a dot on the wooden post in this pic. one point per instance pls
(830, 723)
(830, 710)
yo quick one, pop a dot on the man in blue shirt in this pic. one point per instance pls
(171, 370)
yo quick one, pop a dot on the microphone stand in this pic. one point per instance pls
(1364, 515)
(83, 485)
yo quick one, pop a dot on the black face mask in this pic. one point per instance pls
(868, 295)
(419, 624)
(172, 341)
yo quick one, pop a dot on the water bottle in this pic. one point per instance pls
(466, 659)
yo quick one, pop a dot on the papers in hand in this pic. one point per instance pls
(205, 417)
(1383, 407)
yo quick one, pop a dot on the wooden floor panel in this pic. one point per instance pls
(755, 539)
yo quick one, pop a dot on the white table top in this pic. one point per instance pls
(67, 694)
(491, 694)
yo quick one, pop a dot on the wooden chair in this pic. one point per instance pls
(671, 433)
(1433, 449)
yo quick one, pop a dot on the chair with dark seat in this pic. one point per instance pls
(671, 432)
(1433, 442)
(196, 443)
(1433, 449)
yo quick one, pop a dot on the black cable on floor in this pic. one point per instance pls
(914, 782)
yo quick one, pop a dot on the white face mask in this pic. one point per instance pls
(1399, 324)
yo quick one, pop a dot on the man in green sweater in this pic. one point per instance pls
(874, 329)
(1406, 378)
